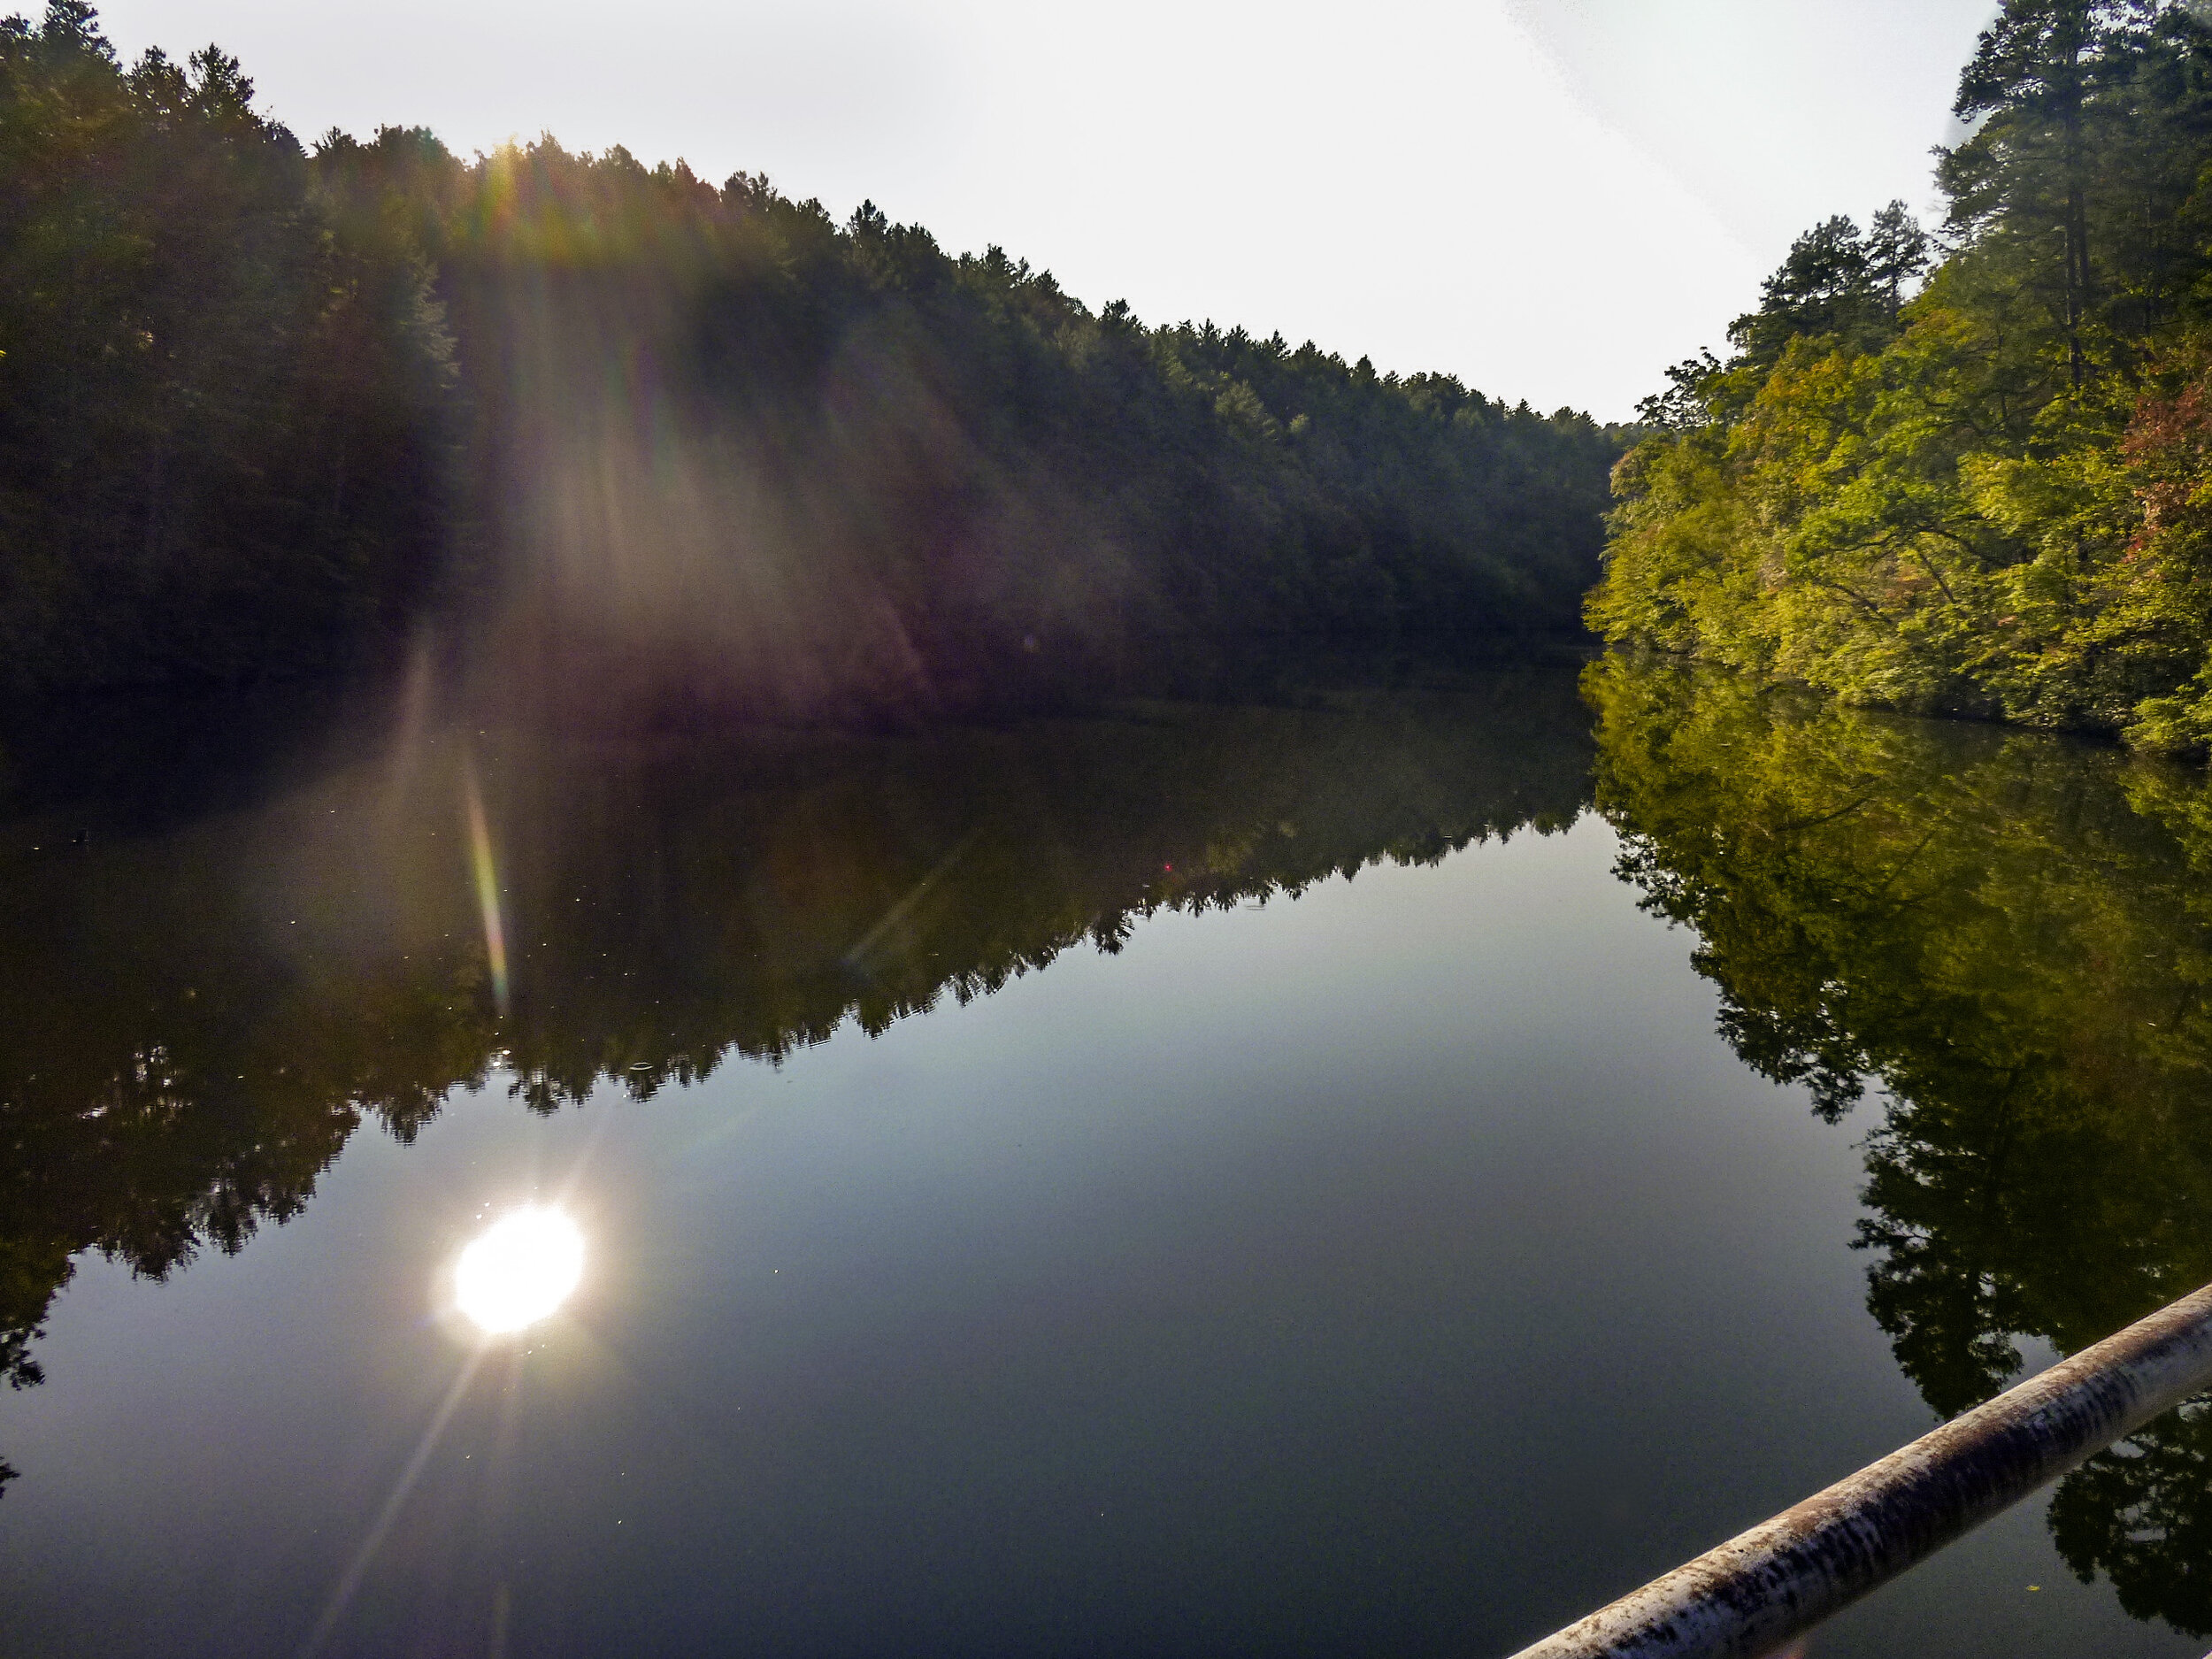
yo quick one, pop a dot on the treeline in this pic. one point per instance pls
(1989, 497)
(263, 406)
(2000, 956)
(224, 428)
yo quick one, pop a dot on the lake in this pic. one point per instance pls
(1375, 1167)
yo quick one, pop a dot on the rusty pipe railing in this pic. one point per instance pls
(1750, 1596)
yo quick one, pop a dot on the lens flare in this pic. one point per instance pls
(519, 1270)
(487, 875)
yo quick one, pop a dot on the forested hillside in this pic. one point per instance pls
(264, 407)
(224, 446)
(1988, 497)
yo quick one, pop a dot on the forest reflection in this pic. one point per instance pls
(225, 953)
(2001, 944)
(245, 936)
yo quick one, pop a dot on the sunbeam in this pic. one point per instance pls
(487, 875)
(350, 1581)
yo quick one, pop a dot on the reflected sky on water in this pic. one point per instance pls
(1200, 1179)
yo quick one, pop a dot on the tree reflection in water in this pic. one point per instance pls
(224, 952)
(2006, 940)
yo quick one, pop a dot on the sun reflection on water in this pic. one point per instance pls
(519, 1270)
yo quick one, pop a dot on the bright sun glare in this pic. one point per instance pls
(521, 1269)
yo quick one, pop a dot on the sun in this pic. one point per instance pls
(519, 1270)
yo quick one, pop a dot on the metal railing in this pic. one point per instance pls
(1755, 1593)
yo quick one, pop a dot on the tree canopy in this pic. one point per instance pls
(1985, 497)
(265, 406)
(221, 447)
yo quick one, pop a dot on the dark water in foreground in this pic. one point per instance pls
(1203, 1180)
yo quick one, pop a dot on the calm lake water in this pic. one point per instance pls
(1382, 1170)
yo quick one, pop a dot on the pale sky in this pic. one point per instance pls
(1552, 199)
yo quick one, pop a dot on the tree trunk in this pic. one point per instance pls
(2077, 244)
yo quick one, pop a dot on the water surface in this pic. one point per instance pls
(1380, 1169)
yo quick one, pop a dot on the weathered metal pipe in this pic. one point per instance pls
(1749, 1597)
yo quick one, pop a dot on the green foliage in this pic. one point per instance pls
(2007, 944)
(1980, 501)
(221, 449)
(885, 464)
(260, 408)
(1837, 283)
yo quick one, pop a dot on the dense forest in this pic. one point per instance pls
(2000, 953)
(264, 408)
(1988, 497)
